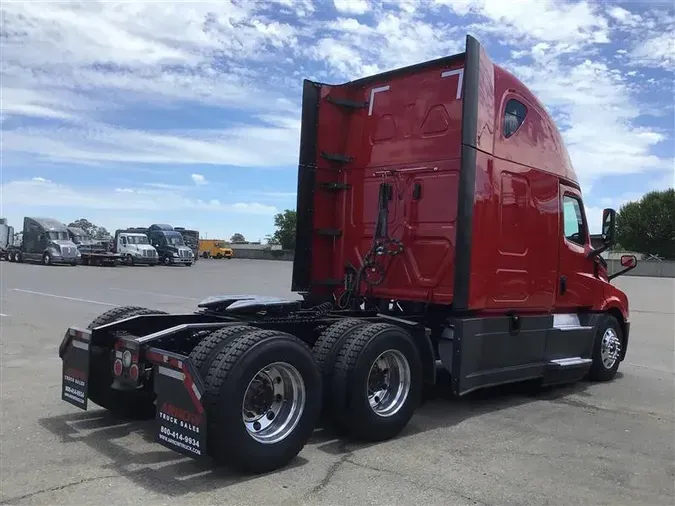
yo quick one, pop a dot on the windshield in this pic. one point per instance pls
(174, 239)
(58, 236)
(137, 239)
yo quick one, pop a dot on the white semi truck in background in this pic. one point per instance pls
(6, 237)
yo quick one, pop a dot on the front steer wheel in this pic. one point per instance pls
(263, 400)
(137, 404)
(606, 349)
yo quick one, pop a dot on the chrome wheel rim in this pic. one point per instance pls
(389, 383)
(610, 348)
(273, 403)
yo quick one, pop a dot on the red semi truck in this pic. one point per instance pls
(439, 220)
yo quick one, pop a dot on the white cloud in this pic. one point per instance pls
(624, 16)
(82, 65)
(352, 6)
(543, 20)
(238, 145)
(42, 192)
(600, 121)
(158, 50)
(656, 51)
(199, 179)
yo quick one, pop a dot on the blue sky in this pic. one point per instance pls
(189, 113)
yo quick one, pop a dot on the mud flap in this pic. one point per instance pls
(181, 418)
(74, 352)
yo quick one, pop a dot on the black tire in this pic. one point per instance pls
(120, 313)
(599, 371)
(138, 404)
(129, 260)
(326, 349)
(167, 260)
(352, 413)
(207, 349)
(47, 259)
(229, 442)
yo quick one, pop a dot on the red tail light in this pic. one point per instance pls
(133, 372)
(117, 367)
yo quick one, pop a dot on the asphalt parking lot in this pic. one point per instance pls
(588, 443)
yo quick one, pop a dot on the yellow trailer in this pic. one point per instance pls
(214, 248)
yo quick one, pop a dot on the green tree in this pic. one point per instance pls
(237, 238)
(285, 233)
(93, 231)
(648, 225)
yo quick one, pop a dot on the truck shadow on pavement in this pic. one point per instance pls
(440, 409)
(154, 468)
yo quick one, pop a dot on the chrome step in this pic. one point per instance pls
(570, 362)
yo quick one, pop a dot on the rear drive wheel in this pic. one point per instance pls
(606, 350)
(263, 400)
(326, 349)
(139, 404)
(207, 349)
(377, 382)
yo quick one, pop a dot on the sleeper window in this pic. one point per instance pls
(514, 115)
(575, 231)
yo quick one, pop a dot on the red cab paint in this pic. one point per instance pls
(498, 237)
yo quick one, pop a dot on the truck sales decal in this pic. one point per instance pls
(76, 373)
(181, 420)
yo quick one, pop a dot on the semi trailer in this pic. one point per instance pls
(168, 243)
(191, 239)
(6, 237)
(45, 240)
(440, 222)
(92, 252)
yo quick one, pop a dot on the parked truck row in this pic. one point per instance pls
(440, 221)
(49, 241)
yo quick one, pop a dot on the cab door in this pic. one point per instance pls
(578, 285)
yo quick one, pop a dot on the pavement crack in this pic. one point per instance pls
(58, 488)
(594, 408)
(330, 473)
(412, 481)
